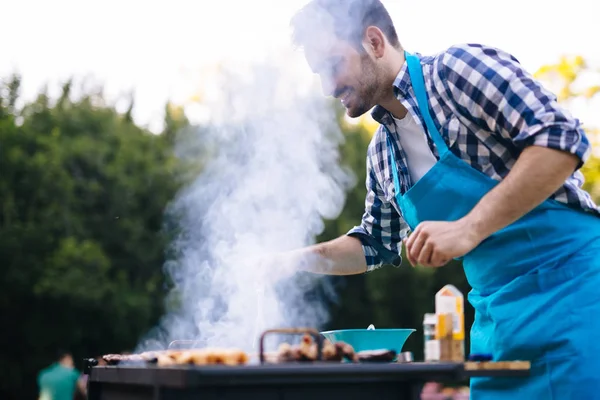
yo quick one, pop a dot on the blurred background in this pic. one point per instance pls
(94, 100)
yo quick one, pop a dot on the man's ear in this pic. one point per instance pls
(374, 41)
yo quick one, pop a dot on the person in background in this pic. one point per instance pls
(61, 380)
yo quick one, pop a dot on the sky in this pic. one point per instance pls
(160, 48)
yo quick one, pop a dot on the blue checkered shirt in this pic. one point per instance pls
(488, 109)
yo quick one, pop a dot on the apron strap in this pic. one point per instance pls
(418, 84)
(397, 186)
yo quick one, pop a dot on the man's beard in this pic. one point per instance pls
(367, 89)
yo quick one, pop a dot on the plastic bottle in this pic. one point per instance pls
(432, 346)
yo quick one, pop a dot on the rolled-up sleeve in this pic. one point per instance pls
(382, 229)
(490, 88)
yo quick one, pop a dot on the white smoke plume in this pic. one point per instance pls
(272, 177)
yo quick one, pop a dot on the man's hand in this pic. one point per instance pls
(435, 243)
(82, 385)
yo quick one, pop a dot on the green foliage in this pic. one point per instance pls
(83, 192)
(77, 270)
(591, 171)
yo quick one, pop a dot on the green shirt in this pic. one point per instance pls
(58, 382)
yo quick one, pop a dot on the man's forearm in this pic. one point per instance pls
(536, 175)
(341, 256)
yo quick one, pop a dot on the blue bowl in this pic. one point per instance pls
(371, 339)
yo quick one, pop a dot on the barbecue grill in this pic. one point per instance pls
(314, 380)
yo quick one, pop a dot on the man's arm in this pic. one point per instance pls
(340, 256)
(538, 173)
(489, 88)
(376, 241)
(82, 385)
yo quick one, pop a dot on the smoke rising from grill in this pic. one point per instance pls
(272, 175)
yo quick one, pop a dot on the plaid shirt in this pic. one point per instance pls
(487, 109)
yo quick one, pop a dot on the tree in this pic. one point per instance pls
(83, 192)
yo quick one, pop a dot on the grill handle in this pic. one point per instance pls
(292, 331)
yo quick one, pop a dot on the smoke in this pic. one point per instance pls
(271, 175)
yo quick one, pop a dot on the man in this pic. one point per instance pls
(478, 162)
(60, 381)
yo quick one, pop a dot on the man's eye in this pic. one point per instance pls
(334, 67)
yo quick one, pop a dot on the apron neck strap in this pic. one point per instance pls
(418, 83)
(393, 163)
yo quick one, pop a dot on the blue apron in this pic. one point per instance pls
(535, 284)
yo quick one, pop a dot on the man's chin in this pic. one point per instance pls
(356, 109)
(355, 112)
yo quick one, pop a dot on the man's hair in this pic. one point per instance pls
(62, 353)
(346, 19)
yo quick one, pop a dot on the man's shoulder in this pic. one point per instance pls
(48, 369)
(46, 372)
(468, 54)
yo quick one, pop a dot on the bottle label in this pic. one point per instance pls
(432, 350)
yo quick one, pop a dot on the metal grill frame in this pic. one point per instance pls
(293, 381)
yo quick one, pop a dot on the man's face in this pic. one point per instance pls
(67, 361)
(346, 74)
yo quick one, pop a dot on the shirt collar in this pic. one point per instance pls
(401, 85)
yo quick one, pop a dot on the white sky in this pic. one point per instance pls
(159, 47)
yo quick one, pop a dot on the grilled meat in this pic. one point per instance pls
(307, 350)
(179, 357)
